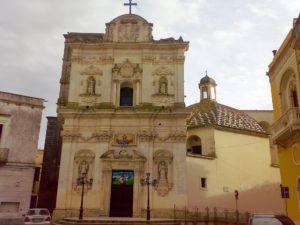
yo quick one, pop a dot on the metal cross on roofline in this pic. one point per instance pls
(130, 4)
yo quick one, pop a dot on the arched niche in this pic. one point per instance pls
(163, 86)
(83, 168)
(288, 91)
(163, 171)
(90, 85)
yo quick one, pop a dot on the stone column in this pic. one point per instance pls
(117, 92)
(114, 93)
(106, 188)
(137, 92)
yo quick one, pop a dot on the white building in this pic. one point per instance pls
(20, 118)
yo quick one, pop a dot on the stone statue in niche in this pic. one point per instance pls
(83, 169)
(163, 87)
(91, 83)
(163, 171)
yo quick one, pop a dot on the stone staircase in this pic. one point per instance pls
(117, 221)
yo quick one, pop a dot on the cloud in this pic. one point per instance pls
(231, 39)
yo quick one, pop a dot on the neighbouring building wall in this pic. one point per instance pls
(36, 178)
(242, 163)
(284, 73)
(51, 162)
(20, 117)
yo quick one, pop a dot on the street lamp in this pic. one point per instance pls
(83, 181)
(148, 182)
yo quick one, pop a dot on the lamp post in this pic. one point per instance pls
(236, 195)
(82, 181)
(148, 182)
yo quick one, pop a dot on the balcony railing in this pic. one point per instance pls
(3, 155)
(286, 130)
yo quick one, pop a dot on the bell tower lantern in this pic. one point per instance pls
(207, 88)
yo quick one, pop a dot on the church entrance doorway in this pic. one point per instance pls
(121, 199)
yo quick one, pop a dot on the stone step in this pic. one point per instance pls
(127, 221)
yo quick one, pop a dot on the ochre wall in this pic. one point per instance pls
(242, 163)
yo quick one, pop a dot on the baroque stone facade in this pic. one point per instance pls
(122, 103)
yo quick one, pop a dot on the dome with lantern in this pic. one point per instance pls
(209, 113)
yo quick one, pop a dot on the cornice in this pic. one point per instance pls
(232, 130)
(281, 56)
(131, 45)
(32, 105)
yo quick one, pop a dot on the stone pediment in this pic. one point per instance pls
(123, 154)
(129, 28)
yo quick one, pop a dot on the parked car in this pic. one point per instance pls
(37, 216)
(269, 219)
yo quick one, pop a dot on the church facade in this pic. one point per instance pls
(123, 115)
(122, 103)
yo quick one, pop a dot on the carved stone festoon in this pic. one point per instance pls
(70, 135)
(174, 136)
(146, 135)
(163, 171)
(163, 71)
(83, 167)
(92, 71)
(75, 136)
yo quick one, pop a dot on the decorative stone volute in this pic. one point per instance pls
(129, 28)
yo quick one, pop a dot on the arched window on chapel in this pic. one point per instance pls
(194, 145)
(126, 95)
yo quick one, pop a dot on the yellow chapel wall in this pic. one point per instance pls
(242, 163)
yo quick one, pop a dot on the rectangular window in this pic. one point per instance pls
(203, 182)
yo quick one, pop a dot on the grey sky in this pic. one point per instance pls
(232, 39)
